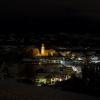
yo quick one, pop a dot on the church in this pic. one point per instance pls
(43, 51)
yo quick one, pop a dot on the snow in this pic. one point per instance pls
(11, 90)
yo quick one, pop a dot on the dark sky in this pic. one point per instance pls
(51, 7)
(34, 14)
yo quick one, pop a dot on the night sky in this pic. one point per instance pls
(78, 16)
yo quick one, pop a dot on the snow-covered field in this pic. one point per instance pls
(11, 90)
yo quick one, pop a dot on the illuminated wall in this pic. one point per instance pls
(36, 52)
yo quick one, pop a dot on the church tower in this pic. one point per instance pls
(42, 50)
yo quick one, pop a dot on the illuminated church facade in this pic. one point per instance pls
(43, 51)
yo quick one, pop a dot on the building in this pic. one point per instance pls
(43, 51)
